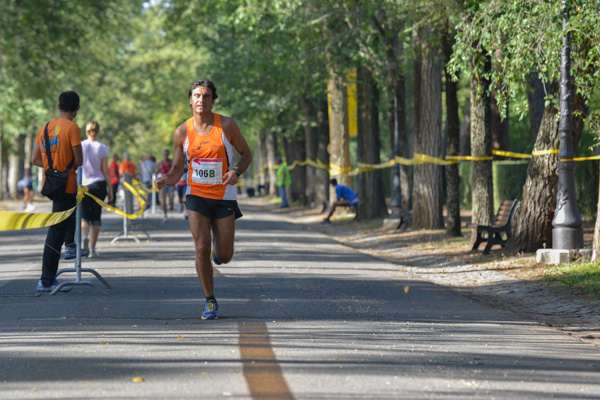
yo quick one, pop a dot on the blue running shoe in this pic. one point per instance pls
(42, 288)
(212, 252)
(210, 310)
(71, 252)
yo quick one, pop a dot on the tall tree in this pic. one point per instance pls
(370, 184)
(453, 220)
(427, 188)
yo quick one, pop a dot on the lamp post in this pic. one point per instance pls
(567, 232)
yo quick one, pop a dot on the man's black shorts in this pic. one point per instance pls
(211, 208)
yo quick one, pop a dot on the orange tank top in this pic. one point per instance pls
(208, 158)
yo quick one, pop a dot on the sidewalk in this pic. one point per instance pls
(487, 278)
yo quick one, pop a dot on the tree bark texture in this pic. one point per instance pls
(311, 146)
(465, 131)
(396, 118)
(427, 183)
(481, 146)
(453, 221)
(271, 162)
(532, 224)
(339, 140)
(322, 175)
(596, 241)
(299, 172)
(535, 100)
(500, 128)
(369, 184)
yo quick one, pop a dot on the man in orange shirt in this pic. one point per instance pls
(64, 137)
(127, 166)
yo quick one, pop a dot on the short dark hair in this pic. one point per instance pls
(204, 83)
(333, 182)
(68, 101)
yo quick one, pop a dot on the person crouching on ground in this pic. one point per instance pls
(96, 176)
(346, 197)
(205, 144)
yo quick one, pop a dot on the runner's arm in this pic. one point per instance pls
(239, 143)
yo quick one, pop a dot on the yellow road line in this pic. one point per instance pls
(263, 374)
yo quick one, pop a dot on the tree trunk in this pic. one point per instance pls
(481, 146)
(500, 129)
(321, 174)
(369, 184)
(532, 224)
(453, 146)
(271, 156)
(299, 171)
(4, 195)
(339, 146)
(427, 185)
(596, 242)
(465, 131)
(535, 98)
(311, 135)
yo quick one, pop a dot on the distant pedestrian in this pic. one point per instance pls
(147, 167)
(284, 180)
(64, 145)
(26, 184)
(181, 187)
(168, 191)
(346, 197)
(115, 178)
(96, 176)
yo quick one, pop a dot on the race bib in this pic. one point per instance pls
(207, 171)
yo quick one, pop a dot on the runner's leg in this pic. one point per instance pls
(200, 227)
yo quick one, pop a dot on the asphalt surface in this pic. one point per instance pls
(300, 317)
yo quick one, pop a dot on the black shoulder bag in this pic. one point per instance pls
(55, 184)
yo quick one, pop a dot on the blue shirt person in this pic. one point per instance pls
(345, 197)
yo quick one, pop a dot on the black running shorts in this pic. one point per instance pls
(211, 208)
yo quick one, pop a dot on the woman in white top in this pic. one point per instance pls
(96, 177)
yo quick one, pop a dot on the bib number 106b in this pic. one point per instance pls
(203, 173)
(207, 171)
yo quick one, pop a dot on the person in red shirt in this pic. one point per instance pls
(64, 142)
(114, 178)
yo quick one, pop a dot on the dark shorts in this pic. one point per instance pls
(213, 209)
(181, 190)
(90, 210)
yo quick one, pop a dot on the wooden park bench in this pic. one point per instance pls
(493, 234)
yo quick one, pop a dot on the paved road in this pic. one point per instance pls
(300, 317)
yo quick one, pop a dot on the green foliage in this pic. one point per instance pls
(524, 37)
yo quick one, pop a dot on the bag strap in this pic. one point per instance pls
(49, 155)
(47, 146)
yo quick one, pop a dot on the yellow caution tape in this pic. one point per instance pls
(337, 170)
(544, 152)
(503, 153)
(425, 159)
(10, 221)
